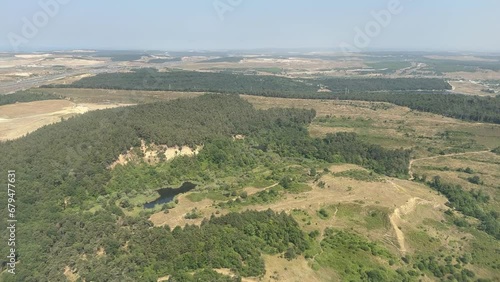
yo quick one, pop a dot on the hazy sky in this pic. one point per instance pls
(245, 24)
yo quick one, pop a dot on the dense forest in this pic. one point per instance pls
(384, 84)
(422, 94)
(62, 172)
(177, 80)
(26, 96)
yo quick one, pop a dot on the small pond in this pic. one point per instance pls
(167, 194)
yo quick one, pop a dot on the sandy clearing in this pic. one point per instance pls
(17, 120)
(20, 110)
(467, 87)
(152, 152)
(70, 274)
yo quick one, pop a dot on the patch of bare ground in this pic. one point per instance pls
(164, 278)
(468, 87)
(16, 120)
(153, 154)
(101, 252)
(70, 274)
(396, 220)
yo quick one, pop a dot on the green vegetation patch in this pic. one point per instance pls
(391, 66)
(421, 241)
(377, 218)
(355, 259)
(263, 197)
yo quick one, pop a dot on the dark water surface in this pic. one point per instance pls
(167, 194)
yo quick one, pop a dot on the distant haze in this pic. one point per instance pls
(429, 25)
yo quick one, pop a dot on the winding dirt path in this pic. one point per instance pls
(395, 219)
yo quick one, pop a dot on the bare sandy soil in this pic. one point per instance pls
(152, 153)
(467, 87)
(16, 120)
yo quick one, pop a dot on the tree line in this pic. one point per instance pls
(26, 96)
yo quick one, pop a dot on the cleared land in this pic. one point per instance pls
(471, 88)
(16, 120)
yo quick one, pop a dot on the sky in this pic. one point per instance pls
(418, 25)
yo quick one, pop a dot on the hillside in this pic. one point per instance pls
(268, 196)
